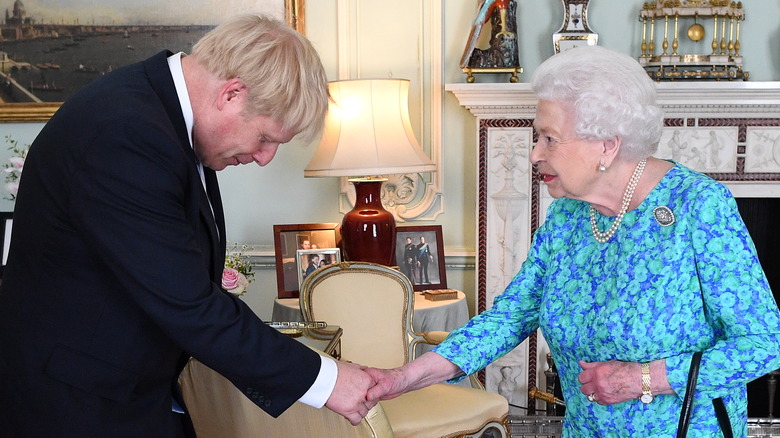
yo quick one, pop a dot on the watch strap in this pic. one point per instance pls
(646, 383)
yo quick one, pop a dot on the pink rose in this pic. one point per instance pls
(234, 281)
(17, 162)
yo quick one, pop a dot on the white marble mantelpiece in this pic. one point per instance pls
(729, 130)
(505, 100)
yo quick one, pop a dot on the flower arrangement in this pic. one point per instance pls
(13, 169)
(238, 270)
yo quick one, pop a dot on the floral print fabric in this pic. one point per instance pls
(651, 292)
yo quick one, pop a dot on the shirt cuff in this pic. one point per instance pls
(322, 388)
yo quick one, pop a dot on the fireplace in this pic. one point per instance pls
(729, 130)
(760, 216)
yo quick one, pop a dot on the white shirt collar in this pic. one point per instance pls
(174, 63)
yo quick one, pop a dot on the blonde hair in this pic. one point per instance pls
(280, 68)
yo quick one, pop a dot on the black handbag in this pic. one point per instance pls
(685, 414)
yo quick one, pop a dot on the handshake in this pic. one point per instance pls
(359, 388)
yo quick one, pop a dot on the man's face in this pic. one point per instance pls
(226, 135)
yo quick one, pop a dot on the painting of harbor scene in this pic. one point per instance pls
(51, 48)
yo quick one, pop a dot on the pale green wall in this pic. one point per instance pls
(256, 199)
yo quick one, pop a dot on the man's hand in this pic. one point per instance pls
(349, 394)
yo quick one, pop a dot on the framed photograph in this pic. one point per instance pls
(419, 254)
(51, 49)
(6, 222)
(311, 259)
(290, 238)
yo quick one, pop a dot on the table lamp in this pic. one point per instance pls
(368, 134)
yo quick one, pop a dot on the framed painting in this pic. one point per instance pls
(419, 253)
(6, 222)
(309, 260)
(50, 49)
(290, 238)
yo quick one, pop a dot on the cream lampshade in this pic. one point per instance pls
(367, 134)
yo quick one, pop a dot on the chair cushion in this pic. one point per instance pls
(444, 410)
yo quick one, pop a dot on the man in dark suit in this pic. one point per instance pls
(410, 261)
(113, 276)
(424, 256)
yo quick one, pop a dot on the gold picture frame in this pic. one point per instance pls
(294, 11)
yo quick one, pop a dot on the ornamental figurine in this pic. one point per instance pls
(492, 43)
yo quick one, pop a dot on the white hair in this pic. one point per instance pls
(611, 94)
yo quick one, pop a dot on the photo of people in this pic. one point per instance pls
(288, 240)
(311, 259)
(419, 256)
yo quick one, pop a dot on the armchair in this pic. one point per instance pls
(219, 410)
(374, 306)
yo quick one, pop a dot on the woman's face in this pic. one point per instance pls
(567, 164)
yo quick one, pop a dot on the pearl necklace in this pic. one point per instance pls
(627, 196)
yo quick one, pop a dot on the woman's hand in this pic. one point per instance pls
(426, 370)
(612, 382)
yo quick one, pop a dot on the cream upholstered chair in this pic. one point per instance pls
(373, 304)
(219, 410)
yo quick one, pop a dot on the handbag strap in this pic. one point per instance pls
(723, 418)
(687, 407)
(690, 388)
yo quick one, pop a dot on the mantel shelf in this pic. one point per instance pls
(506, 100)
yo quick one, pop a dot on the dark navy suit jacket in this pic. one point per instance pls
(113, 275)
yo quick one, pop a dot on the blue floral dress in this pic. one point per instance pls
(651, 292)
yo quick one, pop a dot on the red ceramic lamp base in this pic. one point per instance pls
(368, 231)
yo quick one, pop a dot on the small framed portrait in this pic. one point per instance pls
(309, 260)
(6, 222)
(419, 254)
(288, 239)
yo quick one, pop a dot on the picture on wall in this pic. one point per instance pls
(419, 254)
(51, 49)
(290, 238)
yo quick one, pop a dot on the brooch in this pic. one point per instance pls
(663, 215)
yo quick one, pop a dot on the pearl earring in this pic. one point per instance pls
(602, 168)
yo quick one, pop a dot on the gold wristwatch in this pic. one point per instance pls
(647, 394)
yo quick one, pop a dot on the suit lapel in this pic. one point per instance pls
(160, 78)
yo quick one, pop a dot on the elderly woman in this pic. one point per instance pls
(640, 263)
